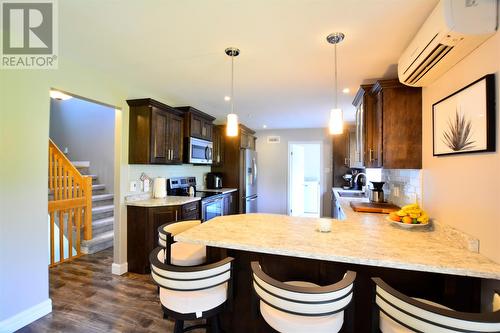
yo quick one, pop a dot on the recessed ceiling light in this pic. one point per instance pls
(227, 98)
(56, 94)
(346, 90)
(264, 126)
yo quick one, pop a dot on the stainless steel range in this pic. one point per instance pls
(212, 203)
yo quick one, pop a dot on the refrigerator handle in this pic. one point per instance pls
(254, 170)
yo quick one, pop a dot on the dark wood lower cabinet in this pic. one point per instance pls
(457, 292)
(142, 234)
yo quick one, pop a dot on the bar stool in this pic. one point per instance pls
(178, 253)
(191, 293)
(299, 306)
(399, 313)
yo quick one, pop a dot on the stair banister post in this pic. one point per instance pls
(87, 231)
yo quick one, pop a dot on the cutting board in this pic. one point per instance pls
(373, 207)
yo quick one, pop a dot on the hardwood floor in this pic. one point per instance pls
(87, 298)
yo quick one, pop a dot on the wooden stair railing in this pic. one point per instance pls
(71, 205)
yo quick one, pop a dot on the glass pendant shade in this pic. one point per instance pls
(232, 124)
(336, 123)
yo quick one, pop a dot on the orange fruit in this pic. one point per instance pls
(395, 217)
(407, 219)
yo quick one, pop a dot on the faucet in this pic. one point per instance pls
(356, 179)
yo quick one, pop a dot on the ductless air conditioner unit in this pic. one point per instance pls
(453, 30)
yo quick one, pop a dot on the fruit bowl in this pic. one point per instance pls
(409, 216)
(407, 225)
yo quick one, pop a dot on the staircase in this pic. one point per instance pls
(102, 213)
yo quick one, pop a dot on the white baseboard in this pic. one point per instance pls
(26, 317)
(119, 269)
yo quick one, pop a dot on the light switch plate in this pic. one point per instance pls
(133, 186)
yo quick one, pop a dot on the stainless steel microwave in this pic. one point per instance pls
(200, 151)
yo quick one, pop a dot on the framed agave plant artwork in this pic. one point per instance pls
(464, 122)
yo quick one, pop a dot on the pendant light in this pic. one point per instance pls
(232, 118)
(336, 123)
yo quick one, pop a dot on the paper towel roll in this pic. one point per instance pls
(160, 188)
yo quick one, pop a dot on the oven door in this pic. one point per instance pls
(211, 208)
(200, 151)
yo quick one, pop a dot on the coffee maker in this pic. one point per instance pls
(214, 180)
(377, 192)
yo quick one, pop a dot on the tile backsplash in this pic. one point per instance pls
(167, 171)
(402, 186)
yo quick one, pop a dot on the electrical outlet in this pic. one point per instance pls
(133, 186)
(395, 191)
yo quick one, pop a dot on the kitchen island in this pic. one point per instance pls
(419, 263)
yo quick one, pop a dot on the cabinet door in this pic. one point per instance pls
(196, 126)
(347, 152)
(159, 216)
(206, 130)
(233, 200)
(251, 142)
(159, 128)
(175, 138)
(227, 204)
(218, 146)
(243, 140)
(191, 211)
(373, 133)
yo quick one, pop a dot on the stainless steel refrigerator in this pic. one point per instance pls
(248, 181)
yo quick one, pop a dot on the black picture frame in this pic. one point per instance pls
(490, 118)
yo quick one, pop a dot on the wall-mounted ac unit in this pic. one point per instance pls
(453, 30)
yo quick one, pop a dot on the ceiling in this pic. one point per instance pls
(284, 74)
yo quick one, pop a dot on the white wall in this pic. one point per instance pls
(87, 129)
(464, 190)
(24, 133)
(273, 167)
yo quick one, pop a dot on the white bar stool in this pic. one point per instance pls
(298, 306)
(403, 314)
(178, 253)
(191, 293)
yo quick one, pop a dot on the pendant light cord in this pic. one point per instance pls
(232, 84)
(335, 66)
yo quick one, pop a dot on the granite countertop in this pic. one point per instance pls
(362, 238)
(223, 190)
(170, 200)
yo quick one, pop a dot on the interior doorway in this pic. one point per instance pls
(304, 178)
(83, 161)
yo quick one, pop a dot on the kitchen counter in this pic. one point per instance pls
(223, 190)
(170, 200)
(362, 238)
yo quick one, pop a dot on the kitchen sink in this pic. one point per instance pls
(348, 194)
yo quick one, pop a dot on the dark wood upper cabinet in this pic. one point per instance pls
(155, 133)
(247, 138)
(197, 124)
(218, 145)
(399, 110)
(390, 125)
(365, 126)
(176, 138)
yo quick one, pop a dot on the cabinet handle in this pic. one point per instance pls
(370, 155)
(176, 215)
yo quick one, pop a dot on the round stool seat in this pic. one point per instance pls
(291, 323)
(184, 254)
(196, 301)
(388, 325)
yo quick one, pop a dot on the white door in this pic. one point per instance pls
(297, 180)
(311, 198)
